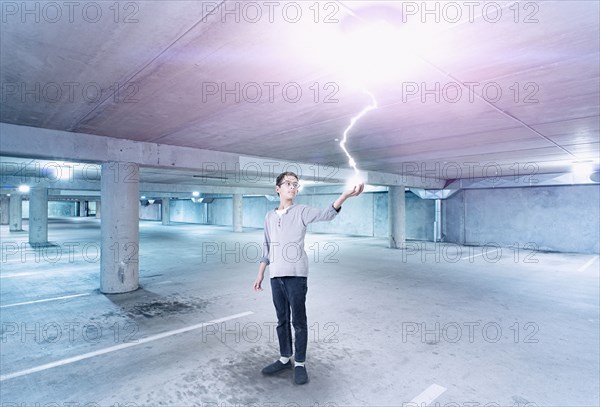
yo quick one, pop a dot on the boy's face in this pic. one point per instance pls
(288, 188)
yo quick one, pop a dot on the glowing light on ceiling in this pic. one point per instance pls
(364, 54)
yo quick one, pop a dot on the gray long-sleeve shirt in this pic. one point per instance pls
(283, 249)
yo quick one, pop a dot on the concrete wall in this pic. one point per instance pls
(220, 212)
(366, 215)
(420, 215)
(453, 218)
(149, 212)
(25, 209)
(355, 218)
(56, 209)
(255, 209)
(61, 209)
(184, 210)
(380, 214)
(561, 218)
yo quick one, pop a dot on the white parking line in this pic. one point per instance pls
(13, 275)
(115, 348)
(431, 393)
(44, 300)
(587, 264)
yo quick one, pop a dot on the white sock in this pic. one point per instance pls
(284, 360)
(299, 364)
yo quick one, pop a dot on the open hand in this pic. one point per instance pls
(355, 190)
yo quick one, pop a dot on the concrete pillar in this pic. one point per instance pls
(165, 209)
(38, 217)
(98, 209)
(237, 213)
(119, 265)
(4, 209)
(81, 208)
(396, 217)
(16, 212)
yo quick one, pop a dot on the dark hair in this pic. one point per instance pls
(281, 176)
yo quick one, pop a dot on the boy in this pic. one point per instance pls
(283, 251)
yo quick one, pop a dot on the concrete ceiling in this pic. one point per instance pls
(172, 63)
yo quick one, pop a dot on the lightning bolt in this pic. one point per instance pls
(353, 121)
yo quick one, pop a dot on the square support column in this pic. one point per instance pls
(38, 217)
(396, 217)
(4, 210)
(165, 211)
(119, 265)
(238, 211)
(82, 208)
(16, 212)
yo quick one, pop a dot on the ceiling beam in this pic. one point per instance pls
(26, 141)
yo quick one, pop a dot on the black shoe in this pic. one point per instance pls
(276, 367)
(300, 375)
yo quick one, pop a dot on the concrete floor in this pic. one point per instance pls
(515, 329)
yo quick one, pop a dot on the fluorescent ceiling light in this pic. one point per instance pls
(583, 168)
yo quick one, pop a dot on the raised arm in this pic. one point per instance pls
(354, 191)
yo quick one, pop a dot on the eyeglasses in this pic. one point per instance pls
(290, 184)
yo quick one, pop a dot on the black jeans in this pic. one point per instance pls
(289, 293)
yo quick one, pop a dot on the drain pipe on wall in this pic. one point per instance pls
(438, 196)
(437, 223)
